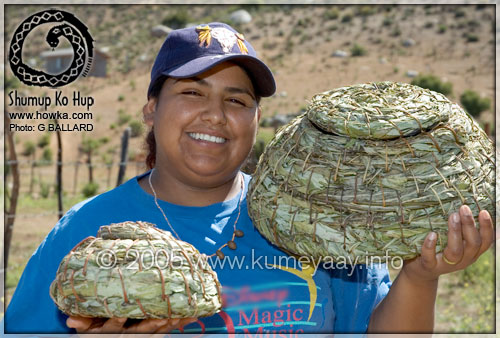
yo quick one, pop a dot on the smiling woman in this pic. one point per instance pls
(206, 126)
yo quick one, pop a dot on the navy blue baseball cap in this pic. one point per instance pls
(191, 51)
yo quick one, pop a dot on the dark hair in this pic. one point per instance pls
(150, 138)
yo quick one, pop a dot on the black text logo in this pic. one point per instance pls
(72, 29)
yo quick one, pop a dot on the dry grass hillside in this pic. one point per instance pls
(456, 43)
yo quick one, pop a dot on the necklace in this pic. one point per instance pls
(236, 233)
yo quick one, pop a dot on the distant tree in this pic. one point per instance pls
(12, 192)
(136, 128)
(434, 83)
(30, 151)
(89, 147)
(108, 160)
(90, 189)
(358, 50)
(474, 103)
(47, 156)
(43, 141)
(176, 20)
(29, 148)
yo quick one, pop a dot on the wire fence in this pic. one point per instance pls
(38, 180)
(42, 163)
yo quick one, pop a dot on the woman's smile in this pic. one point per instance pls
(207, 138)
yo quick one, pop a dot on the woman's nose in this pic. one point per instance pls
(214, 112)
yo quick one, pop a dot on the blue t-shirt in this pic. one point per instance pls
(264, 290)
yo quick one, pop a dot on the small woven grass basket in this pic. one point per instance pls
(135, 270)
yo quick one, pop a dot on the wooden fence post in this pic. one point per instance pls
(59, 174)
(11, 211)
(75, 180)
(123, 157)
(32, 172)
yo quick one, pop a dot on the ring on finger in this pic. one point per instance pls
(448, 261)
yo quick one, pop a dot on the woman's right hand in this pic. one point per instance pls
(115, 325)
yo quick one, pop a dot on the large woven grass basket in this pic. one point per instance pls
(368, 171)
(135, 270)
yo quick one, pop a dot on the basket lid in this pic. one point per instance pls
(132, 230)
(379, 110)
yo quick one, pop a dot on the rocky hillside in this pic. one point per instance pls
(309, 48)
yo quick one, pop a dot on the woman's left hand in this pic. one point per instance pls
(465, 245)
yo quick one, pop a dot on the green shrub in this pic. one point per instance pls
(408, 12)
(44, 189)
(29, 148)
(136, 128)
(459, 13)
(47, 156)
(304, 22)
(268, 45)
(331, 14)
(43, 141)
(473, 103)
(387, 21)
(258, 148)
(347, 18)
(176, 20)
(358, 50)
(90, 189)
(121, 97)
(442, 29)
(11, 82)
(123, 118)
(432, 82)
(366, 10)
(103, 140)
(471, 37)
(396, 31)
(304, 38)
(473, 23)
(264, 136)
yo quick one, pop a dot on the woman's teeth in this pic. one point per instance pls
(209, 138)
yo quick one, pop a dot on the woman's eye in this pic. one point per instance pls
(191, 92)
(237, 102)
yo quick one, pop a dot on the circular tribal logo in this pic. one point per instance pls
(72, 29)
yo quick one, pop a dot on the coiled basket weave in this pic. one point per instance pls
(368, 171)
(135, 270)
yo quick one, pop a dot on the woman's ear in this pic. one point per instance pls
(148, 111)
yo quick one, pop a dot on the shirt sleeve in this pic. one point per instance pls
(357, 289)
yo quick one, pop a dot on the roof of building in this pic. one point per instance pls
(69, 52)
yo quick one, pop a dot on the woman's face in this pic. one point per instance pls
(204, 126)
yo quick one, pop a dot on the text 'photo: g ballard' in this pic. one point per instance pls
(57, 99)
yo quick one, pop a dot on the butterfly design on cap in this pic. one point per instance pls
(224, 36)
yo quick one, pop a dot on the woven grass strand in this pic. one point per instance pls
(378, 166)
(145, 281)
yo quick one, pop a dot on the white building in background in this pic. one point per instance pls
(58, 61)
